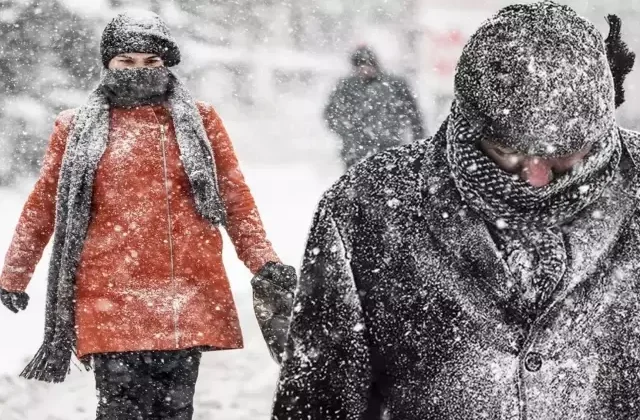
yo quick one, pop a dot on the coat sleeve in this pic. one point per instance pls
(37, 220)
(326, 372)
(244, 224)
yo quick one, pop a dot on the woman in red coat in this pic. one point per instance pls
(134, 187)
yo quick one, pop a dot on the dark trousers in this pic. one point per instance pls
(150, 385)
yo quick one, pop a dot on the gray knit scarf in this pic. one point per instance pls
(526, 219)
(86, 144)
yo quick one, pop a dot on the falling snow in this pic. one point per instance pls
(401, 282)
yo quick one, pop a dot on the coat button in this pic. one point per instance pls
(533, 362)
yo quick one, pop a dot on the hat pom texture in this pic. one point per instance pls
(621, 59)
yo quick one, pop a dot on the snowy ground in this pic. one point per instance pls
(232, 385)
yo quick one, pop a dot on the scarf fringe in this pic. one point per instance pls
(46, 367)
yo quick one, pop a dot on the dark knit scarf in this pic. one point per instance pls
(86, 143)
(526, 219)
(137, 87)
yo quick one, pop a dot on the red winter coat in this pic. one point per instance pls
(151, 275)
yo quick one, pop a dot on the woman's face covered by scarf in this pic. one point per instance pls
(137, 86)
(135, 60)
(136, 79)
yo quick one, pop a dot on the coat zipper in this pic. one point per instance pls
(163, 142)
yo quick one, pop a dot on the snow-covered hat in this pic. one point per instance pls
(141, 32)
(537, 78)
(364, 55)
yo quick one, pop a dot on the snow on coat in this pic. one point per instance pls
(403, 309)
(139, 285)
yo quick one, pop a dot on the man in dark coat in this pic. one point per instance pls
(371, 110)
(491, 272)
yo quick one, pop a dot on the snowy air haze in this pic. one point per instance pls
(269, 68)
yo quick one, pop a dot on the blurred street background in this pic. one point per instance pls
(267, 65)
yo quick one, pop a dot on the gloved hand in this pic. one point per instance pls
(273, 289)
(14, 301)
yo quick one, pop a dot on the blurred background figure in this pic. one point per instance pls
(372, 110)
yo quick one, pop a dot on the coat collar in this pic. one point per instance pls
(592, 237)
(461, 237)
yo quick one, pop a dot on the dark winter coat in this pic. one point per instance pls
(372, 115)
(403, 306)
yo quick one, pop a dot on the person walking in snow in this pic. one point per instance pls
(371, 110)
(491, 272)
(134, 188)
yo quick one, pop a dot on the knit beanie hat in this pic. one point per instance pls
(138, 32)
(537, 78)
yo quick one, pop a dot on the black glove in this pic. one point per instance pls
(273, 289)
(14, 301)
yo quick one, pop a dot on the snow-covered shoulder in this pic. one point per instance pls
(204, 106)
(380, 183)
(66, 117)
